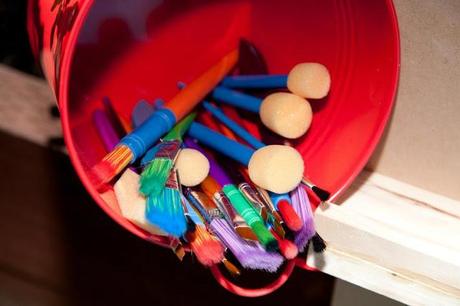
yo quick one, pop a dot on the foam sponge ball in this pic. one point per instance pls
(132, 203)
(286, 114)
(192, 166)
(309, 80)
(276, 168)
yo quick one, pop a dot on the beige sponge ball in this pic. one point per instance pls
(276, 168)
(309, 80)
(192, 166)
(286, 114)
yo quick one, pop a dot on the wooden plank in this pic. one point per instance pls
(406, 248)
(389, 283)
(25, 106)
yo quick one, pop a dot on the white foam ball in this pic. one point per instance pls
(276, 168)
(192, 167)
(309, 80)
(132, 203)
(286, 114)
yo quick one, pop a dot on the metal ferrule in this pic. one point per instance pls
(235, 220)
(254, 198)
(168, 149)
(223, 203)
(173, 181)
(201, 199)
(266, 200)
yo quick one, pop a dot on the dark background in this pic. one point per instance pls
(14, 45)
(58, 248)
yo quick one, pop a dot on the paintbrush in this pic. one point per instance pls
(250, 254)
(154, 175)
(287, 248)
(105, 129)
(241, 205)
(322, 194)
(290, 217)
(247, 189)
(165, 210)
(254, 196)
(136, 143)
(204, 256)
(283, 204)
(276, 168)
(271, 208)
(208, 250)
(283, 113)
(214, 190)
(119, 124)
(141, 112)
(190, 218)
(301, 205)
(250, 60)
(307, 80)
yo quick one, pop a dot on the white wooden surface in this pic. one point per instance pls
(394, 239)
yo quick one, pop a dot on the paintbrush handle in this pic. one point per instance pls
(237, 99)
(232, 125)
(179, 106)
(105, 130)
(250, 215)
(215, 170)
(264, 81)
(276, 197)
(220, 143)
(195, 91)
(145, 136)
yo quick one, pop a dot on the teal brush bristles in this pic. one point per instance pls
(155, 174)
(165, 210)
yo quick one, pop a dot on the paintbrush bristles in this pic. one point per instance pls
(301, 205)
(288, 249)
(208, 250)
(155, 174)
(165, 210)
(111, 165)
(322, 194)
(250, 254)
(319, 245)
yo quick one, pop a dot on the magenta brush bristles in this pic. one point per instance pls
(301, 205)
(250, 255)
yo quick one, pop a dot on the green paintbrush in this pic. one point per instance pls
(155, 174)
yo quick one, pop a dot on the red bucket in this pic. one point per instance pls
(139, 49)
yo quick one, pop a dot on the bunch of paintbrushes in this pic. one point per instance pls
(205, 181)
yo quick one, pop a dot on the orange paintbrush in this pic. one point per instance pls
(135, 144)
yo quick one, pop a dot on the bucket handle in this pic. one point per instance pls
(276, 284)
(247, 292)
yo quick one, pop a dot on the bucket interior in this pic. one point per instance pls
(140, 49)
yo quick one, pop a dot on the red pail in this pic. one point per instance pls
(139, 49)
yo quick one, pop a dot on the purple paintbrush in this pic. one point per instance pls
(213, 191)
(251, 255)
(302, 207)
(105, 129)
